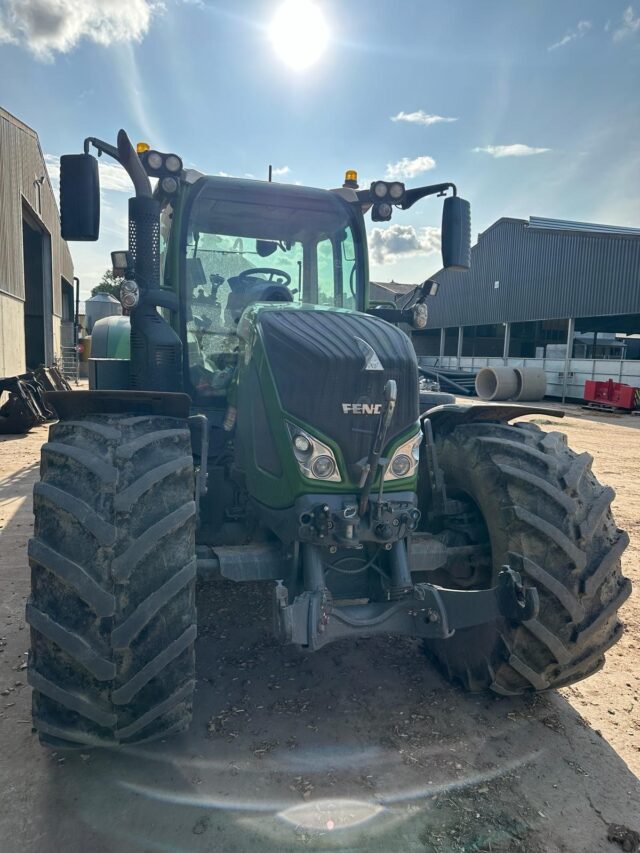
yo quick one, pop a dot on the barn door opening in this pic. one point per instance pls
(38, 303)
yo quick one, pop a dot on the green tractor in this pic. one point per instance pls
(268, 427)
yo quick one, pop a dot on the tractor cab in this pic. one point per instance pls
(234, 243)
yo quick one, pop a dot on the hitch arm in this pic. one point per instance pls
(430, 612)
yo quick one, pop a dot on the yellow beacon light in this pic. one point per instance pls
(141, 147)
(351, 179)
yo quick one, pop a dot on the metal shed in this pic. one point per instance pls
(36, 270)
(543, 269)
(542, 292)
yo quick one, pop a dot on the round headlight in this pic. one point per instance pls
(396, 190)
(154, 160)
(129, 294)
(172, 163)
(401, 465)
(323, 467)
(302, 443)
(420, 315)
(380, 189)
(384, 210)
(169, 185)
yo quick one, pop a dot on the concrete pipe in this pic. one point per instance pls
(532, 384)
(496, 383)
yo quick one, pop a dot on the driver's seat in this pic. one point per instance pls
(252, 289)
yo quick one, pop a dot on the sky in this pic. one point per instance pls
(532, 107)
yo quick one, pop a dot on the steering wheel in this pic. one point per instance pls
(252, 272)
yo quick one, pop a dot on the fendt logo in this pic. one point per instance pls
(361, 408)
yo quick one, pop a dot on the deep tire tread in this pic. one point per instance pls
(112, 606)
(104, 532)
(550, 519)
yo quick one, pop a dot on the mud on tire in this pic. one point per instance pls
(550, 519)
(112, 605)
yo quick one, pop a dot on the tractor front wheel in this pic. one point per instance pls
(113, 567)
(548, 517)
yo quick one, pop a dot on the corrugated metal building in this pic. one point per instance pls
(388, 291)
(541, 291)
(36, 270)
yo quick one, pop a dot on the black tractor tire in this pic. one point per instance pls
(431, 399)
(113, 567)
(549, 519)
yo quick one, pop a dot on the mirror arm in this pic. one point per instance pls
(126, 155)
(412, 196)
(391, 315)
(103, 147)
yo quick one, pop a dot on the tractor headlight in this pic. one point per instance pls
(323, 467)
(404, 461)
(169, 185)
(419, 315)
(400, 465)
(379, 189)
(173, 163)
(160, 165)
(302, 444)
(381, 212)
(315, 460)
(396, 190)
(154, 160)
(129, 294)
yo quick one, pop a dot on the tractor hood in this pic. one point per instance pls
(330, 366)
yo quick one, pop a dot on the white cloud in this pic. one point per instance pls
(629, 26)
(46, 27)
(280, 170)
(388, 244)
(420, 117)
(407, 168)
(579, 32)
(112, 175)
(515, 150)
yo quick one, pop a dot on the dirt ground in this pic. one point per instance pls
(359, 747)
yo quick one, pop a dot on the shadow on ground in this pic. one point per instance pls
(358, 747)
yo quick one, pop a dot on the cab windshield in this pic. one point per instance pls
(248, 243)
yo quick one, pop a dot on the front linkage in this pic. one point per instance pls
(424, 610)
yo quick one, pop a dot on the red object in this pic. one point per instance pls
(610, 393)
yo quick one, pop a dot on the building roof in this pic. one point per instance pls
(541, 269)
(388, 291)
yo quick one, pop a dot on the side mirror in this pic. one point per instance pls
(456, 233)
(79, 197)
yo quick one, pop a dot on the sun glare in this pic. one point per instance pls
(299, 33)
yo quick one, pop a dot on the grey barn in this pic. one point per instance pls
(544, 291)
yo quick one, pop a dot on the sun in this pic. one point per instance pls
(299, 33)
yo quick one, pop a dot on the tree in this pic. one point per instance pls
(109, 283)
